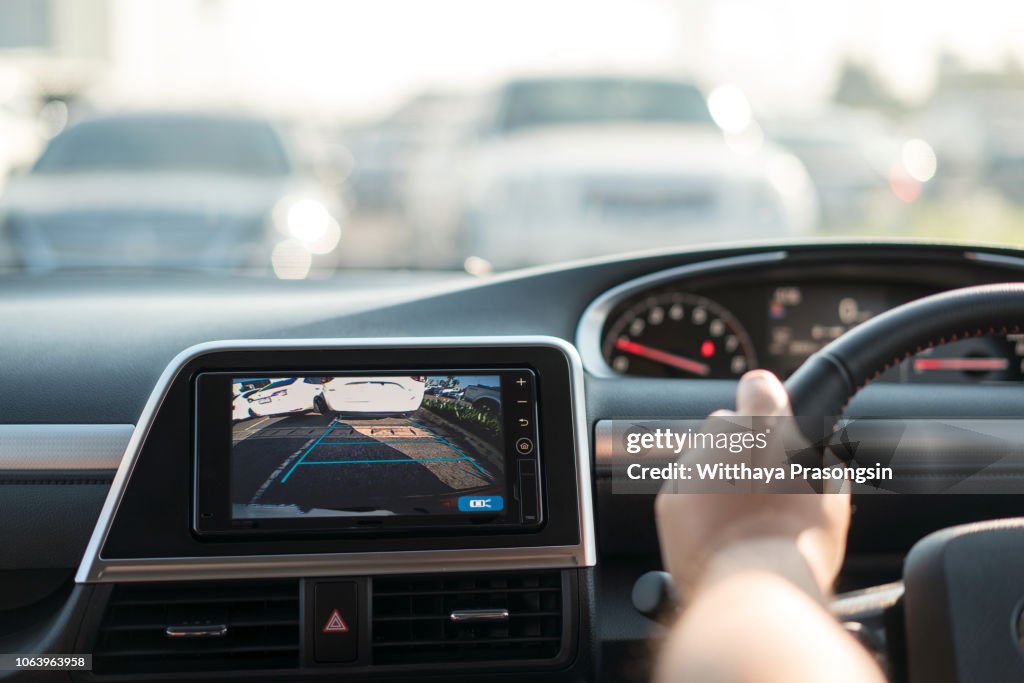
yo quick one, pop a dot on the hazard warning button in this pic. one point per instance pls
(336, 625)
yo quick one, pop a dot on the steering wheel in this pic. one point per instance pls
(826, 381)
(958, 614)
(962, 588)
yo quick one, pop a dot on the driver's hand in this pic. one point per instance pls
(801, 536)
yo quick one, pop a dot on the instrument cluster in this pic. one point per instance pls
(720, 332)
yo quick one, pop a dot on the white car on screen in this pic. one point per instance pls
(373, 395)
(240, 409)
(281, 397)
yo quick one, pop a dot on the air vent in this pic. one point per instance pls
(413, 624)
(172, 627)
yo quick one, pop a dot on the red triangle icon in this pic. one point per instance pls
(335, 624)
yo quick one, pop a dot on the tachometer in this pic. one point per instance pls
(678, 335)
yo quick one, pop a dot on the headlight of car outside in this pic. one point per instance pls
(309, 229)
(309, 222)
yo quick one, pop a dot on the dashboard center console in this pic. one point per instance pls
(295, 458)
(374, 506)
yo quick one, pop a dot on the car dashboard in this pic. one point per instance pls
(116, 455)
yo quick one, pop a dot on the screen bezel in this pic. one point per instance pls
(212, 513)
(145, 533)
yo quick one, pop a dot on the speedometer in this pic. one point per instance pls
(678, 335)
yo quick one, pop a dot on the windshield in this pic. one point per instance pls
(305, 138)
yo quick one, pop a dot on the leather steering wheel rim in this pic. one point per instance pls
(828, 379)
(823, 386)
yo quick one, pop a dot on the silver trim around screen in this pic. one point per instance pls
(70, 449)
(604, 448)
(96, 569)
(592, 323)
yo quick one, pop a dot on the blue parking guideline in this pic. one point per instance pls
(330, 428)
(371, 460)
(320, 442)
(369, 443)
(452, 446)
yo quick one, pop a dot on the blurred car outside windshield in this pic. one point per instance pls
(300, 139)
(165, 191)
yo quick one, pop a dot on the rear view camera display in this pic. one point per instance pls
(370, 446)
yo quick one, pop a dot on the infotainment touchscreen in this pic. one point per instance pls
(365, 445)
(374, 449)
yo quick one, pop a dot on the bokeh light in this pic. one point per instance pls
(730, 109)
(919, 160)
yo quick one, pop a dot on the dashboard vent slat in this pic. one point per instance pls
(411, 625)
(262, 619)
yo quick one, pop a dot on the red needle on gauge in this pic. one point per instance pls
(965, 364)
(663, 357)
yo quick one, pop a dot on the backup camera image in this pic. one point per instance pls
(361, 445)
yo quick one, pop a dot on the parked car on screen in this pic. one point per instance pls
(483, 398)
(372, 396)
(239, 389)
(592, 165)
(169, 190)
(281, 397)
(242, 386)
(240, 408)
